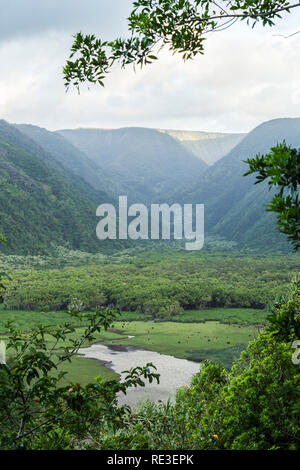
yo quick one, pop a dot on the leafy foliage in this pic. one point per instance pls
(181, 25)
(35, 411)
(285, 318)
(255, 406)
(282, 168)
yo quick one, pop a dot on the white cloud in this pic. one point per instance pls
(244, 78)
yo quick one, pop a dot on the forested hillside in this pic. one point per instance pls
(234, 206)
(41, 204)
(77, 162)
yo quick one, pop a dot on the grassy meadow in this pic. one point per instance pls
(217, 334)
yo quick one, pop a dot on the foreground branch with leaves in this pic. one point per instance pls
(36, 412)
(281, 168)
(180, 25)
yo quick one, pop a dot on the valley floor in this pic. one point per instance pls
(158, 294)
(216, 334)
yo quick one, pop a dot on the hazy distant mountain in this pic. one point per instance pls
(208, 146)
(64, 152)
(234, 206)
(40, 202)
(52, 182)
(80, 164)
(153, 162)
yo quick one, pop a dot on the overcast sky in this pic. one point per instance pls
(245, 77)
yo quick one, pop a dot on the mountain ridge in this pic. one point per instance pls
(50, 188)
(208, 146)
(151, 161)
(227, 194)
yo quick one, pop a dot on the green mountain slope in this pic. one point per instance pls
(154, 163)
(78, 162)
(42, 204)
(234, 207)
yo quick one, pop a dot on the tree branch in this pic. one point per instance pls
(240, 15)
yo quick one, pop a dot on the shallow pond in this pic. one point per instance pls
(174, 372)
